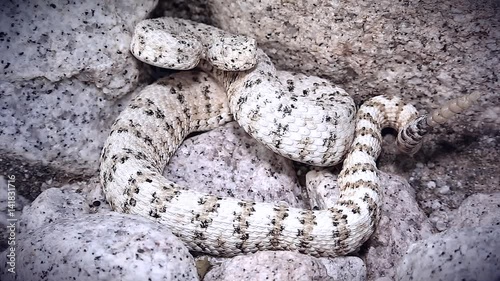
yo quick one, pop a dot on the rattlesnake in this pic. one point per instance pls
(304, 118)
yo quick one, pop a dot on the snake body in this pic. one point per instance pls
(300, 117)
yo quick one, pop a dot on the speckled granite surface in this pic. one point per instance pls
(61, 239)
(83, 40)
(269, 265)
(64, 69)
(463, 254)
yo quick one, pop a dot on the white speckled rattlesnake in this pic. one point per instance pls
(303, 118)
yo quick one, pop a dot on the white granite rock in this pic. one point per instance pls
(458, 254)
(60, 124)
(60, 63)
(226, 161)
(271, 265)
(82, 40)
(102, 246)
(348, 268)
(61, 239)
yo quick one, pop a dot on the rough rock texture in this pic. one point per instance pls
(91, 45)
(345, 268)
(447, 172)
(60, 62)
(269, 265)
(468, 250)
(55, 204)
(461, 254)
(228, 162)
(103, 246)
(402, 223)
(478, 210)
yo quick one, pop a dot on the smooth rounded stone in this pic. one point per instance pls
(104, 246)
(458, 254)
(401, 223)
(478, 210)
(226, 161)
(283, 265)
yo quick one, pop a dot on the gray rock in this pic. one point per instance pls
(228, 162)
(60, 63)
(401, 224)
(478, 210)
(459, 254)
(269, 265)
(448, 171)
(91, 45)
(108, 246)
(466, 250)
(347, 268)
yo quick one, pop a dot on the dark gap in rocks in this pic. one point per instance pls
(195, 10)
(30, 176)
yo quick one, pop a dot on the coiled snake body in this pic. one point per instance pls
(304, 118)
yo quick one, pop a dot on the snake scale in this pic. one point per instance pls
(304, 118)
